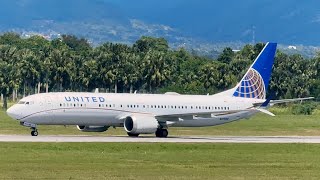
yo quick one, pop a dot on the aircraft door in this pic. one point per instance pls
(238, 104)
(47, 106)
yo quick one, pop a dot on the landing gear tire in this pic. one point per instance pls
(132, 134)
(34, 133)
(162, 133)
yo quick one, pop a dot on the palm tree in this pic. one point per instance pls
(10, 76)
(62, 68)
(30, 68)
(156, 70)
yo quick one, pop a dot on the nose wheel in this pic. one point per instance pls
(34, 131)
(33, 127)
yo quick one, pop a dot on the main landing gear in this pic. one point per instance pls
(132, 134)
(162, 133)
(33, 127)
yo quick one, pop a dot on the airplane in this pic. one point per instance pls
(152, 113)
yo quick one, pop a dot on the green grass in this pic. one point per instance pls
(260, 125)
(158, 161)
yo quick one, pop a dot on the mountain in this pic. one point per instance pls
(183, 22)
(285, 21)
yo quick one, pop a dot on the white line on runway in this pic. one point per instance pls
(148, 139)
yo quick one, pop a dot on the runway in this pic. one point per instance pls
(149, 139)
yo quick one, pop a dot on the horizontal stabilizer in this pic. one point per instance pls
(265, 111)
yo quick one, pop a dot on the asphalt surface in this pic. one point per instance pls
(148, 139)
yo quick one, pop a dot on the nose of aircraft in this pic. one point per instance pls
(13, 113)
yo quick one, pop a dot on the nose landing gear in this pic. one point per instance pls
(33, 127)
(34, 132)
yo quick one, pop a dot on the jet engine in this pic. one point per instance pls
(141, 124)
(93, 128)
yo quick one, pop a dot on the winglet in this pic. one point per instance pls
(267, 102)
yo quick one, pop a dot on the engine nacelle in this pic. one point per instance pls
(93, 128)
(141, 124)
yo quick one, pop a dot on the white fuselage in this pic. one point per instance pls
(105, 109)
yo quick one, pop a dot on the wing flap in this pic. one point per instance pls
(192, 116)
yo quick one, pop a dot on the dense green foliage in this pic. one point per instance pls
(304, 108)
(149, 65)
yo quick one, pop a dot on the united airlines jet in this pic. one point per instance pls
(151, 113)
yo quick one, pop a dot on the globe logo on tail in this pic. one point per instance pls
(251, 86)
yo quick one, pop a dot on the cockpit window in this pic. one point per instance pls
(21, 102)
(26, 102)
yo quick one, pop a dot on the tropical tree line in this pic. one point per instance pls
(32, 65)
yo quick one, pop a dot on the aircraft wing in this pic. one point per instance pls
(273, 102)
(191, 116)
